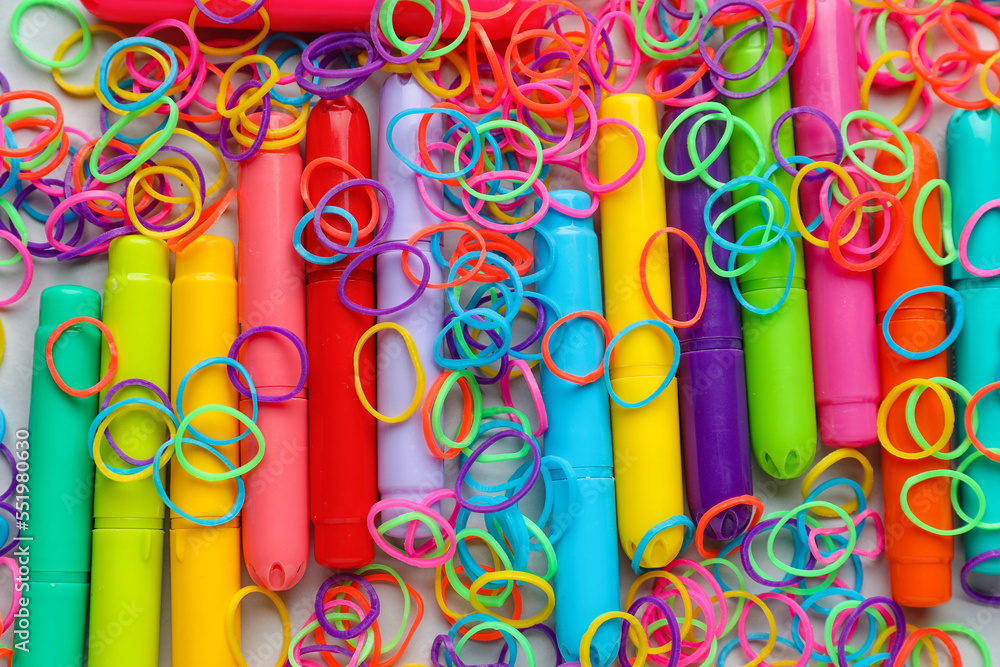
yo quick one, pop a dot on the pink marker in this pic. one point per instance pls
(272, 291)
(841, 302)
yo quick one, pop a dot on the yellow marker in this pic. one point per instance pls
(204, 561)
(647, 441)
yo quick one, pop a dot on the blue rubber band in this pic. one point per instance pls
(659, 324)
(738, 247)
(672, 522)
(300, 228)
(151, 98)
(477, 145)
(118, 405)
(788, 283)
(241, 491)
(205, 363)
(476, 319)
(956, 327)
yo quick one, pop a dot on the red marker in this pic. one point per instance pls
(342, 435)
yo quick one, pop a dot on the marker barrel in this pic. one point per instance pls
(272, 292)
(61, 481)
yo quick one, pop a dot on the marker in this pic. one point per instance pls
(647, 439)
(919, 561)
(57, 585)
(312, 16)
(406, 469)
(272, 292)
(711, 377)
(342, 441)
(205, 564)
(973, 163)
(586, 581)
(842, 307)
(127, 562)
(778, 358)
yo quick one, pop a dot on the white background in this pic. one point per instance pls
(43, 30)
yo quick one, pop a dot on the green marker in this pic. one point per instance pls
(128, 516)
(60, 484)
(778, 356)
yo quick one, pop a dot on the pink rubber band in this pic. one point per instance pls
(29, 267)
(963, 241)
(536, 393)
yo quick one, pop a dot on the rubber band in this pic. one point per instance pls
(954, 475)
(112, 352)
(231, 635)
(208, 49)
(496, 597)
(55, 131)
(493, 503)
(677, 521)
(702, 277)
(29, 268)
(885, 252)
(103, 420)
(636, 627)
(420, 510)
(300, 347)
(168, 501)
(852, 538)
(67, 7)
(161, 92)
(370, 252)
(172, 232)
(418, 369)
(668, 378)
(524, 577)
(161, 138)
(949, 418)
(963, 241)
(209, 217)
(793, 196)
(956, 327)
(550, 364)
(253, 8)
(436, 229)
(788, 280)
(914, 429)
(824, 464)
(206, 363)
(859, 522)
(947, 237)
(229, 474)
(911, 642)
(699, 165)
(718, 508)
(433, 407)
(57, 75)
(533, 389)
(768, 615)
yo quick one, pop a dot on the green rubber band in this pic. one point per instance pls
(161, 138)
(962, 467)
(947, 237)
(389, 31)
(700, 165)
(733, 619)
(828, 579)
(525, 449)
(911, 417)
(52, 146)
(903, 176)
(976, 638)
(852, 540)
(69, 8)
(692, 136)
(477, 409)
(881, 37)
(496, 600)
(710, 255)
(432, 525)
(229, 474)
(22, 231)
(496, 125)
(379, 567)
(668, 50)
(550, 553)
(957, 476)
(503, 628)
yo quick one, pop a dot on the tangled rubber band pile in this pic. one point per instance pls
(512, 120)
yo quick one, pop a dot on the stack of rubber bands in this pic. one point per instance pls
(512, 121)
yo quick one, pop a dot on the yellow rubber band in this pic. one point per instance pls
(57, 75)
(234, 50)
(987, 66)
(234, 642)
(117, 69)
(250, 99)
(635, 625)
(911, 101)
(773, 639)
(793, 201)
(275, 138)
(99, 436)
(411, 347)
(183, 178)
(223, 166)
(837, 455)
(890, 400)
(465, 78)
(512, 575)
(682, 591)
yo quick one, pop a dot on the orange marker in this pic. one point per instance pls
(919, 561)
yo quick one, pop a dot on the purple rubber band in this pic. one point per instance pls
(13, 472)
(364, 623)
(668, 613)
(767, 23)
(517, 495)
(847, 629)
(225, 132)
(390, 212)
(745, 547)
(428, 41)
(16, 533)
(183, 221)
(4, 88)
(483, 380)
(326, 46)
(780, 25)
(371, 251)
(96, 241)
(106, 403)
(816, 174)
(44, 249)
(972, 563)
(299, 346)
(330, 648)
(229, 20)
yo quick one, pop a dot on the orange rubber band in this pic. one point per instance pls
(440, 227)
(702, 277)
(699, 533)
(891, 243)
(112, 366)
(209, 217)
(353, 172)
(547, 356)
(441, 586)
(50, 136)
(427, 409)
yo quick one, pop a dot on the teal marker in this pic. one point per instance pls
(59, 501)
(973, 155)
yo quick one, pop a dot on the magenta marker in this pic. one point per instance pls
(711, 378)
(842, 302)
(406, 469)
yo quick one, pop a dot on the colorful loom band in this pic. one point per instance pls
(598, 319)
(63, 5)
(956, 327)
(668, 378)
(112, 351)
(824, 464)
(949, 418)
(230, 622)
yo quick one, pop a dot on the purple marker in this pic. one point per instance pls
(711, 378)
